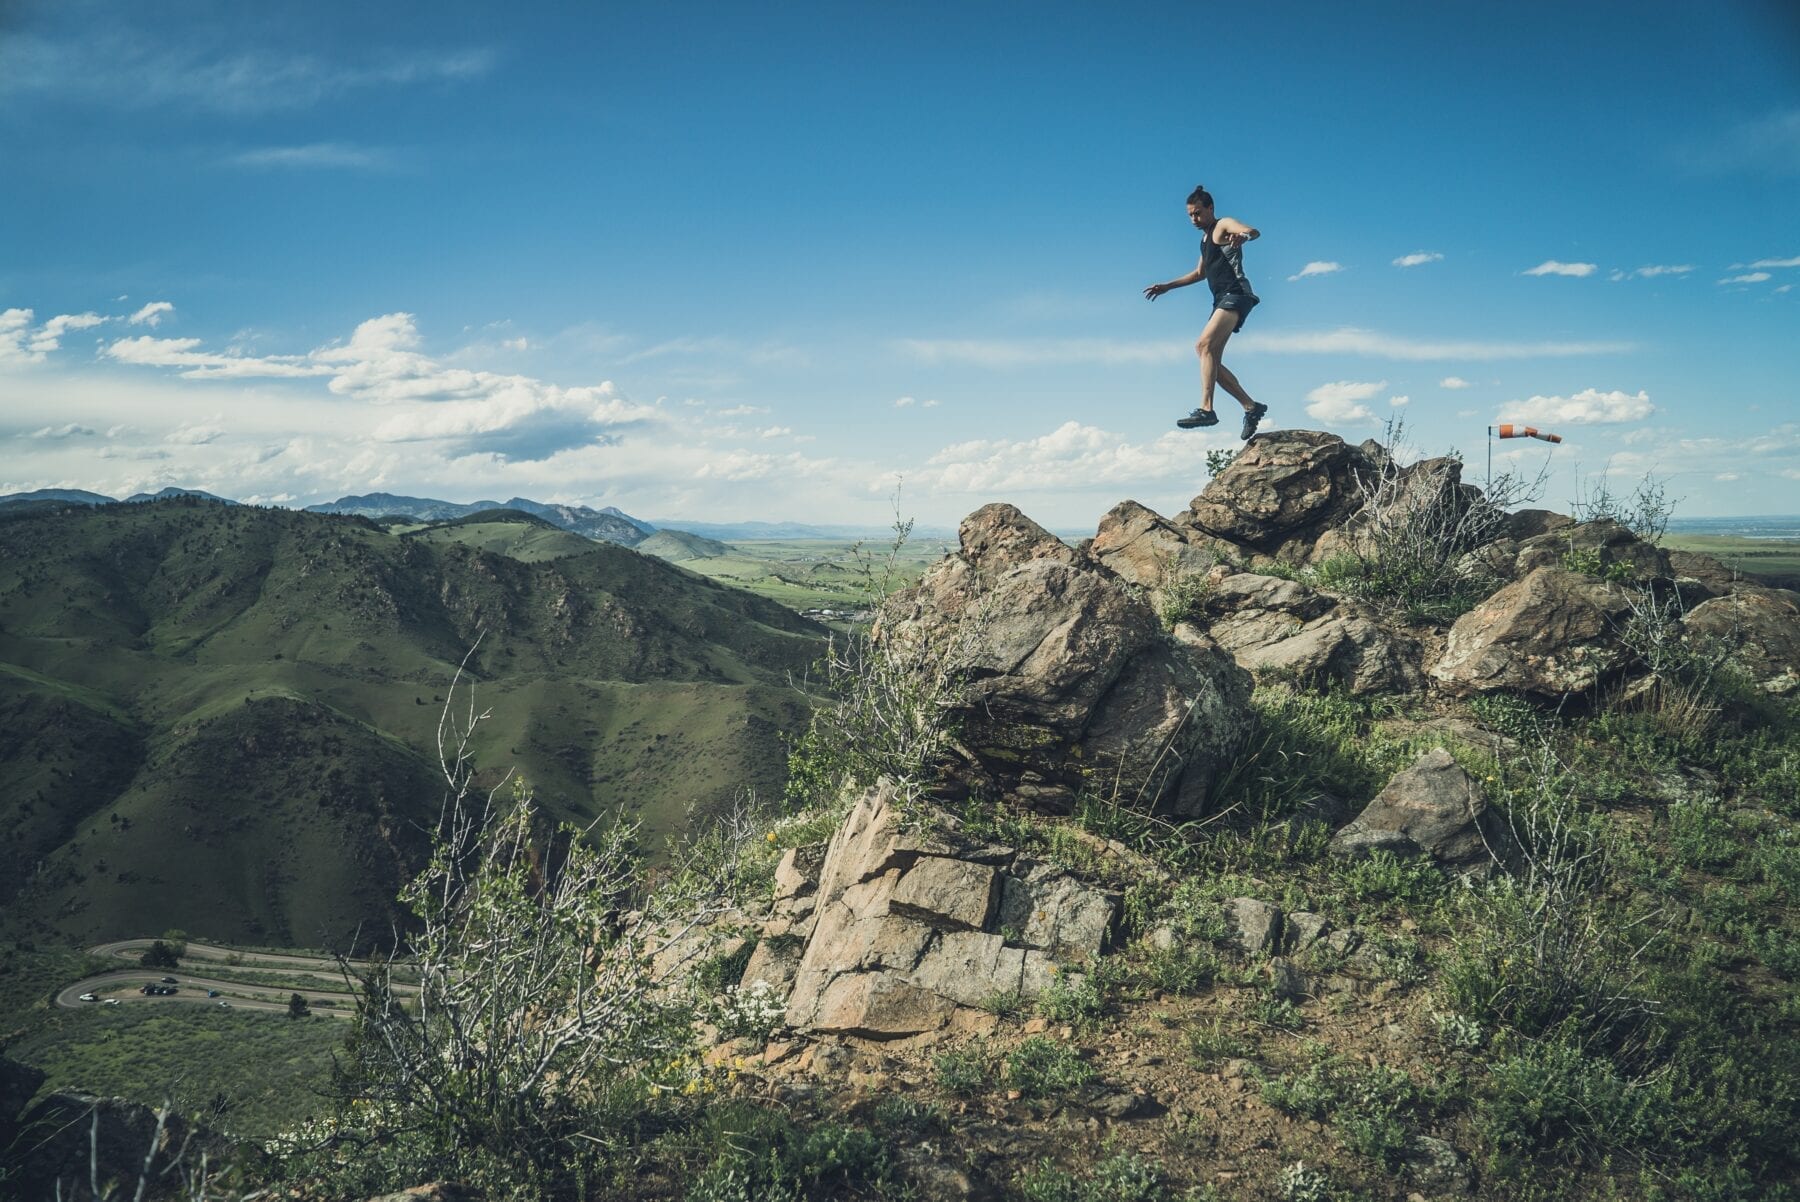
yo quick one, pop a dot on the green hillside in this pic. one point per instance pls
(223, 718)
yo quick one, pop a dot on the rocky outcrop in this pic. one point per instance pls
(1433, 806)
(1762, 626)
(911, 927)
(1284, 628)
(1552, 633)
(1069, 683)
(1282, 492)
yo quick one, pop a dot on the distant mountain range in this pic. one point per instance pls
(608, 525)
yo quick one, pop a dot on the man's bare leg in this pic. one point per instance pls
(1211, 348)
(1230, 384)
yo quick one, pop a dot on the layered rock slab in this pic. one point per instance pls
(908, 927)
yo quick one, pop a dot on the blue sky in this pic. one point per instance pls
(728, 261)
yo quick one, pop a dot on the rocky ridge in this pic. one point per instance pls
(901, 927)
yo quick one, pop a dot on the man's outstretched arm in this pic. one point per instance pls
(1192, 277)
(1229, 231)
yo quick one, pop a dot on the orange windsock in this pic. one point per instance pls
(1528, 432)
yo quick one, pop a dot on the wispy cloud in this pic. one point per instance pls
(151, 314)
(1553, 267)
(1317, 267)
(127, 67)
(316, 156)
(1028, 352)
(1766, 145)
(1453, 382)
(1749, 277)
(1587, 407)
(1341, 402)
(1376, 345)
(1652, 271)
(1418, 259)
(58, 433)
(1793, 262)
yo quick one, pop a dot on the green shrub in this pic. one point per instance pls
(1383, 876)
(1039, 1068)
(1121, 1177)
(965, 1072)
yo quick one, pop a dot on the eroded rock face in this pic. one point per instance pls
(1432, 806)
(911, 927)
(1763, 625)
(78, 1136)
(1285, 628)
(1282, 491)
(1552, 633)
(1070, 681)
(1144, 548)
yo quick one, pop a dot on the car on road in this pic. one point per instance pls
(212, 993)
(170, 981)
(88, 997)
(224, 1003)
(112, 1001)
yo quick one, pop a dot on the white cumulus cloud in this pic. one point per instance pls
(1317, 267)
(1418, 259)
(1074, 456)
(1341, 401)
(1590, 406)
(1653, 270)
(1552, 267)
(1399, 401)
(71, 430)
(20, 343)
(1453, 382)
(904, 401)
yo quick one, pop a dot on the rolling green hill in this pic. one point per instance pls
(223, 718)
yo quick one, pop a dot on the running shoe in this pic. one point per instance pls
(1252, 417)
(1198, 418)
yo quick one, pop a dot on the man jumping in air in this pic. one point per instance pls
(1222, 267)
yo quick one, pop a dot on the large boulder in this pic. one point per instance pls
(913, 926)
(1762, 625)
(1282, 491)
(1601, 544)
(1142, 547)
(1284, 628)
(1433, 806)
(1068, 681)
(1552, 633)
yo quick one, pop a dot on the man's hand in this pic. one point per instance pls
(1154, 291)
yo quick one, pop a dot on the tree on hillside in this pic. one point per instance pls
(297, 1007)
(160, 955)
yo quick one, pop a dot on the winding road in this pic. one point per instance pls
(124, 985)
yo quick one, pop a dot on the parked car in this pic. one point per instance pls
(111, 1001)
(88, 997)
(212, 993)
(170, 981)
(224, 1003)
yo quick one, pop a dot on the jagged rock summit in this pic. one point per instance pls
(1070, 683)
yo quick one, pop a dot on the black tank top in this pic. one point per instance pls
(1223, 267)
